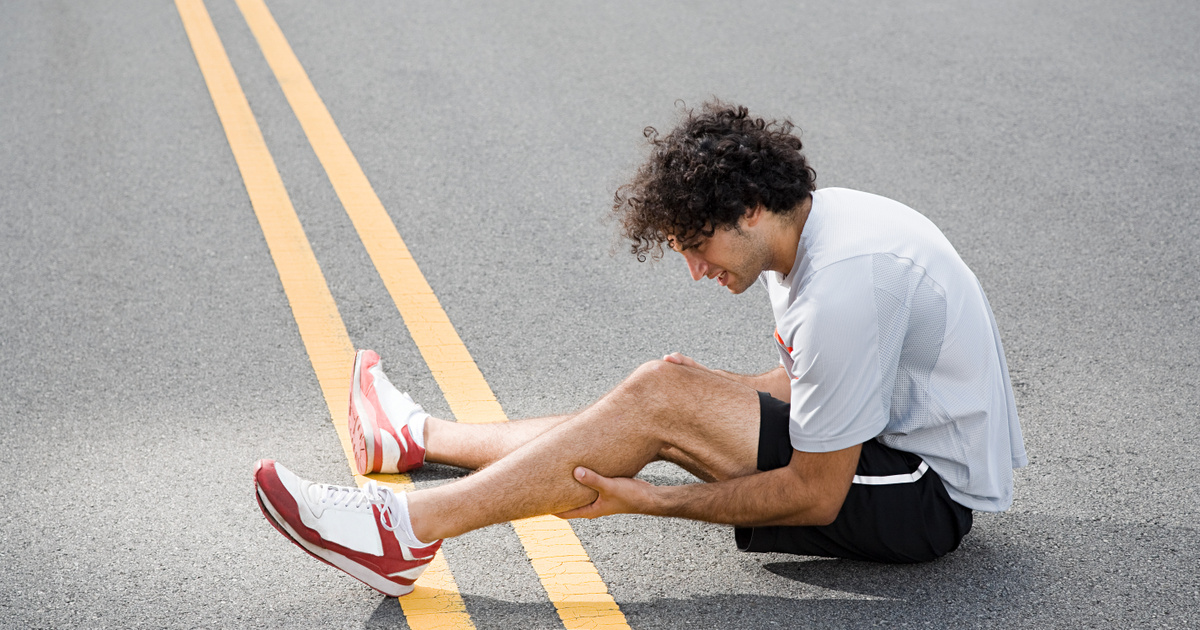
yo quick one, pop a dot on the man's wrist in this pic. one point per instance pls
(742, 379)
(762, 382)
(659, 500)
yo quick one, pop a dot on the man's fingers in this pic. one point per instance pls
(679, 358)
(589, 478)
(594, 481)
(586, 511)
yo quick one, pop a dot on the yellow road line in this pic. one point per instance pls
(566, 572)
(461, 382)
(437, 603)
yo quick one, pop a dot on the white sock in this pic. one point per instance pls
(400, 408)
(404, 531)
(416, 428)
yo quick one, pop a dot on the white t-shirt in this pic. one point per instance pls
(887, 334)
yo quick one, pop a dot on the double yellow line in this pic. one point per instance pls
(571, 581)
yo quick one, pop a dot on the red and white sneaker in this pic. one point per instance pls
(349, 528)
(386, 426)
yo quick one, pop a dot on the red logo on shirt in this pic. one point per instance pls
(781, 344)
(787, 368)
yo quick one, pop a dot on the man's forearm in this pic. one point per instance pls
(775, 382)
(808, 491)
(774, 497)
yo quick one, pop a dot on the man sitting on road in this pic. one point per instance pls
(890, 419)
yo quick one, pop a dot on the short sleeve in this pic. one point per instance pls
(832, 332)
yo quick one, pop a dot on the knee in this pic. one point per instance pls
(655, 375)
(657, 384)
(648, 382)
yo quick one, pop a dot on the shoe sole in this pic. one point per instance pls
(332, 558)
(362, 438)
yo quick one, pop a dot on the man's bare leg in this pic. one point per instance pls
(475, 446)
(663, 410)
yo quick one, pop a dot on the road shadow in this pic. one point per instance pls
(438, 473)
(1014, 570)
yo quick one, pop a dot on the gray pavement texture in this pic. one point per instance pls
(148, 355)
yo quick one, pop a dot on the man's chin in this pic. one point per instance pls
(733, 282)
(737, 289)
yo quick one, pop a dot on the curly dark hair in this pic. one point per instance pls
(717, 163)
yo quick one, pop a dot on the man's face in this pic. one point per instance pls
(732, 257)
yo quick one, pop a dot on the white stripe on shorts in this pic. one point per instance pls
(888, 480)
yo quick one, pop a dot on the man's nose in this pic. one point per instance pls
(696, 266)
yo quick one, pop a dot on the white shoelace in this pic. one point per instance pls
(369, 494)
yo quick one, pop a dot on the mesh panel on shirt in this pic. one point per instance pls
(912, 324)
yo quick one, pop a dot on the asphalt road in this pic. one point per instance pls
(148, 355)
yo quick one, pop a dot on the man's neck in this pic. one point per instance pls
(787, 238)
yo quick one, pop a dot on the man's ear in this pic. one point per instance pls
(754, 215)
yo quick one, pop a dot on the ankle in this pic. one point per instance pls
(404, 523)
(420, 525)
(431, 433)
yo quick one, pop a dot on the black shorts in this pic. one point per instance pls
(884, 521)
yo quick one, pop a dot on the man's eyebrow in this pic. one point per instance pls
(676, 246)
(679, 246)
